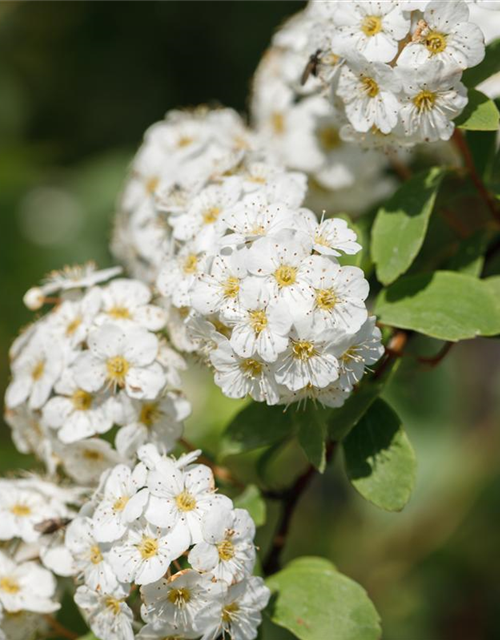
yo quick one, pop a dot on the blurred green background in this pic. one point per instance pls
(79, 84)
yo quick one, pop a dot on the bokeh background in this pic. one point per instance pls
(79, 84)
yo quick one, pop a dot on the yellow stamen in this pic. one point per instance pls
(184, 141)
(285, 275)
(113, 605)
(9, 585)
(229, 611)
(38, 369)
(370, 87)
(226, 550)
(73, 326)
(179, 597)
(185, 501)
(258, 320)
(303, 350)
(120, 504)
(329, 138)
(92, 455)
(231, 287)
(371, 25)
(326, 299)
(20, 510)
(117, 368)
(82, 400)
(435, 42)
(251, 368)
(148, 548)
(152, 184)
(425, 100)
(210, 215)
(119, 313)
(278, 123)
(95, 555)
(190, 264)
(150, 413)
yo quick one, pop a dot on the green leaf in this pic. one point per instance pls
(312, 435)
(316, 602)
(256, 426)
(480, 114)
(401, 224)
(342, 420)
(493, 285)
(444, 305)
(379, 459)
(252, 500)
(488, 67)
(469, 258)
(88, 636)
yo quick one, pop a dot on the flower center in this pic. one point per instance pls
(82, 400)
(150, 413)
(226, 550)
(148, 548)
(92, 455)
(185, 501)
(211, 215)
(321, 240)
(371, 25)
(117, 368)
(184, 141)
(73, 326)
(285, 275)
(303, 350)
(278, 123)
(424, 101)
(329, 138)
(179, 597)
(20, 510)
(326, 299)
(251, 368)
(370, 87)
(229, 612)
(120, 504)
(38, 369)
(9, 585)
(152, 184)
(190, 264)
(119, 313)
(113, 605)
(258, 320)
(231, 287)
(435, 42)
(95, 555)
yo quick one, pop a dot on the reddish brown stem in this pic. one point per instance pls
(486, 196)
(433, 361)
(60, 629)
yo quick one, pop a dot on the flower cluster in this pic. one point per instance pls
(161, 527)
(32, 550)
(96, 361)
(391, 70)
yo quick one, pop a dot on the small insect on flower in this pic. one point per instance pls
(311, 68)
(51, 525)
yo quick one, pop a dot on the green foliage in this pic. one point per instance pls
(480, 113)
(256, 426)
(401, 224)
(316, 602)
(252, 500)
(488, 67)
(312, 435)
(342, 420)
(469, 258)
(443, 305)
(379, 459)
(88, 636)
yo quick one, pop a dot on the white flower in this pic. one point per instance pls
(371, 28)
(90, 557)
(84, 461)
(35, 371)
(121, 502)
(122, 357)
(179, 274)
(433, 96)
(26, 586)
(330, 237)
(76, 413)
(73, 319)
(355, 352)
(236, 613)
(108, 615)
(22, 508)
(180, 498)
(258, 327)
(125, 300)
(178, 600)
(155, 421)
(370, 94)
(145, 553)
(446, 35)
(310, 358)
(227, 552)
(21, 625)
(239, 377)
(281, 261)
(339, 295)
(31, 435)
(161, 630)
(219, 287)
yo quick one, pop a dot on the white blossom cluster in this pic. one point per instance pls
(94, 370)
(390, 71)
(30, 553)
(160, 536)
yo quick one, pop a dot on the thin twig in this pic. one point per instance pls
(393, 351)
(489, 200)
(433, 361)
(60, 629)
(290, 498)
